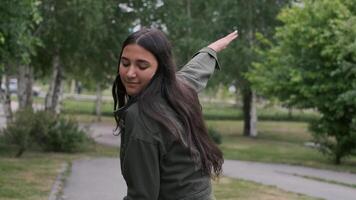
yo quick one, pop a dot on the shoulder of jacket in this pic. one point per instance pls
(141, 127)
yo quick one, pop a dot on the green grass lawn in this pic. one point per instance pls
(31, 176)
(277, 142)
(211, 112)
(233, 189)
(215, 112)
(35, 173)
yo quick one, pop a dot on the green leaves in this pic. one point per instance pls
(17, 39)
(312, 64)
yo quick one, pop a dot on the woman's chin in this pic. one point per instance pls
(132, 92)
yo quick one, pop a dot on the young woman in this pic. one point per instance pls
(165, 150)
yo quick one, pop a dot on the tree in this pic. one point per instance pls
(17, 44)
(105, 27)
(250, 18)
(183, 21)
(60, 38)
(192, 25)
(312, 65)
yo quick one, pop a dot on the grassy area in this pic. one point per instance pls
(211, 112)
(72, 106)
(232, 189)
(31, 176)
(35, 173)
(226, 112)
(278, 142)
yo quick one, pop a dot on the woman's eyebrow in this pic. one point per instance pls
(143, 61)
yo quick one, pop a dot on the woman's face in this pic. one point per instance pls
(137, 67)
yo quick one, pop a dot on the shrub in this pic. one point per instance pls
(214, 135)
(337, 138)
(46, 130)
(18, 132)
(64, 136)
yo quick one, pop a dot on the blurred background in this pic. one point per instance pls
(286, 91)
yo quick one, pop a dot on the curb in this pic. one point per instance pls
(58, 183)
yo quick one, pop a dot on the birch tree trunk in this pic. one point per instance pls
(98, 103)
(253, 131)
(53, 97)
(6, 98)
(24, 86)
(72, 87)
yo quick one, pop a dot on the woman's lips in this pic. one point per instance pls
(132, 84)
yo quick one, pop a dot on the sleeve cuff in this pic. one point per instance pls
(212, 53)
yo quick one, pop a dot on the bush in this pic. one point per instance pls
(18, 132)
(214, 135)
(64, 136)
(337, 138)
(46, 130)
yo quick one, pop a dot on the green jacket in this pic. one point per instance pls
(154, 165)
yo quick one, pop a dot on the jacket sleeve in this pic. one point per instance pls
(199, 69)
(141, 170)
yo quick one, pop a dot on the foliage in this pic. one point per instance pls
(312, 65)
(105, 25)
(18, 22)
(214, 135)
(63, 136)
(49, 132)
(19, 131)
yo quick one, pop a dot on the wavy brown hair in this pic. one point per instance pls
(180, 97)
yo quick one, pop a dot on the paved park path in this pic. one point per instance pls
(101, 178)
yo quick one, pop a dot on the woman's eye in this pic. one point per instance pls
(125, 63)
(143, 65)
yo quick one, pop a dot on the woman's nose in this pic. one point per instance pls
(131, 72)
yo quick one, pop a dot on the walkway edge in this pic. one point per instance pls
(58, 183)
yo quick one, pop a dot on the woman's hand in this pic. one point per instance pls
(222, 43)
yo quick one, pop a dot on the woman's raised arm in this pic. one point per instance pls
(199, 69)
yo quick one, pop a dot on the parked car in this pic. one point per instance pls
(12, 85)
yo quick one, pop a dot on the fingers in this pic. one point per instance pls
(232, 36)
(222, 43)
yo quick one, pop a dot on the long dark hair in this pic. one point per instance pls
(180, 97)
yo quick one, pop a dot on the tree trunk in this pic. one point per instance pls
(53, 97)
(72, 87)
(249, 112)
(253, 131)
(189, 29)
(249, 102)
(290, 112)
(6, 98)
(98, 103)
(24, 88)
(246, 107)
